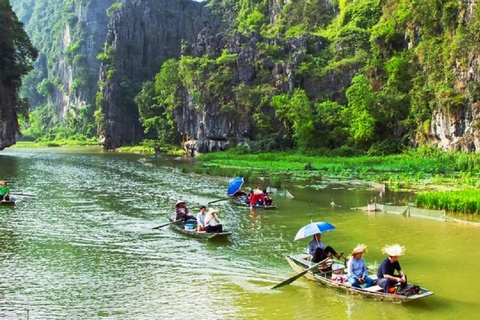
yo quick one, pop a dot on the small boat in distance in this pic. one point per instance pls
(240, 201)
(337, 279)
(190, 229)
(10, 202)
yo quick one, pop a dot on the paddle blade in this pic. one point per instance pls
(290, 280)
(324, 263)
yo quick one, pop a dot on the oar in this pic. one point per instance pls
(295, 277)
(23, 194)
(166, 224)
(218, 200)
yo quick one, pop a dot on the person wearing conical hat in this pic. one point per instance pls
(386, 270)
(212, 223)
(357, 268)
(182, 211)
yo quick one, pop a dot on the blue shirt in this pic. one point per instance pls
(357, 268)
(314, 245)
(387, 267)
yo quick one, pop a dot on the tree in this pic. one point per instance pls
(295, 112)
(16, 57)
(16, 51)
(360, 103)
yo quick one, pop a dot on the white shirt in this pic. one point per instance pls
(201, 219)
(211, 220)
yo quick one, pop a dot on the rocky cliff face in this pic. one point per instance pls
(210, 130)
(8, 116)
(459, 129)
(79, 78)
(141, 36)
(68, 46)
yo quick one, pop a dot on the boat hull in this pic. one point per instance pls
(7, 202)
(180, 227)
(299, 264)
(238, 202)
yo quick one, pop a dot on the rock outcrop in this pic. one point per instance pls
(8, 116)
(458, 129)
(141, 36)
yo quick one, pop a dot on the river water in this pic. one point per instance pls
(84, 247)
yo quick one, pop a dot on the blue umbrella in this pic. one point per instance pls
(234, 186)
(313, 228)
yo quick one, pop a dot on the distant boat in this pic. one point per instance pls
(336, 279)
(191, 231)
(240, 202)
(7, 202)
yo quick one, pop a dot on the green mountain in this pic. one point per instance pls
(365, 75)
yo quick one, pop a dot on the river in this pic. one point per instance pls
(84, 247)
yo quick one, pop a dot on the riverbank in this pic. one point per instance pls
(145, 147)
(443, 181)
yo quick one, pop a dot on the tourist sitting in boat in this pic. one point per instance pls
(239, 193)
(357, 268)
(257, 199)
(4, 191)
(201, 218)
(318, 251)
(268, 198)
(212, 223)
(182, 211)
(248, 197)
(386, 270)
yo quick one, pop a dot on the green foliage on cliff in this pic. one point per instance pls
(60, 88)
(156, 102)
(16, 57)
(368, 79)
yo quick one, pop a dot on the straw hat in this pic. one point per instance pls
(257, 191)
(394, 250)
(360, 248)
(211, 211)
(179, 202)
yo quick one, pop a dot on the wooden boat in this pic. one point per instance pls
(238, 201)
(337, 280)
(7, 202)
(180, 227)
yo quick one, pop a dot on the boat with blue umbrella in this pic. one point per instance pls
(313, 228)
(235, 187)
(332, 272)
(238, 197)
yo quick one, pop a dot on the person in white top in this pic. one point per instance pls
(201, 218)
(212, 223)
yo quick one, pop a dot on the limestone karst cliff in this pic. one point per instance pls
(420, 61)
(141, 36)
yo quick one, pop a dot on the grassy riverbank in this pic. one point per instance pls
(432, 171)
(55, 143)
(402, 171)
(145, 147)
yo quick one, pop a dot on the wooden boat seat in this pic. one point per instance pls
(375, 288)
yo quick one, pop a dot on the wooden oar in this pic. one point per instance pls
(295, 277)
(23, 194)
(217, 200)
(166, 224)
